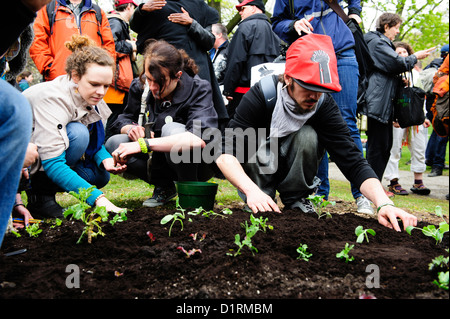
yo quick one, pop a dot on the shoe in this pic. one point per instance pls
(304, 205)
(446, 197)
(44, 206)
(396, 188)
(364, 205)
(435, 171)
(161, 195)
(420, 189)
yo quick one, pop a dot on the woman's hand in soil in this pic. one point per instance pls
(387, 216)
(110, 207)
(261, 202)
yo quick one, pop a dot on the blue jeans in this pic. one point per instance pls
(346, 100)
(78, 135)
(15, 133)
(435, 152)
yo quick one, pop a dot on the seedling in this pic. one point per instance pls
(442, 281)
(91, 218)
(190, 252)
(431, 230)
(303, 254)
(179, 216)
(250, 231)
(320, 204)
(343, 254)
(209, 213)
(362, 233)
(33, 230)
(151, 236)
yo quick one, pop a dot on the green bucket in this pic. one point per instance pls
(196, 194)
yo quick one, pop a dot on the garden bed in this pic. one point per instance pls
(126, 263)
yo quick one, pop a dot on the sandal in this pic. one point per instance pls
(420, 189)
(396, 188)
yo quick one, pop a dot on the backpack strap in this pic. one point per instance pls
(51, 13)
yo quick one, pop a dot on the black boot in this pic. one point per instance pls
(42, 197)
(44, 206)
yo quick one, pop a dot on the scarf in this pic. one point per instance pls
(285, 118)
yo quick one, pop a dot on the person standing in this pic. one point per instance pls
(56, 23)
(219, 52)
(253, 43)
(316, 16)
(383, 81)
(117, 95)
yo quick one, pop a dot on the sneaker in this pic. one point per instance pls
(161, 195)
(435, 171)
(396, 188)
(420, 189)
(304, 205)
(364, 205)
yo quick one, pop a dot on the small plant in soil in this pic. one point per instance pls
(362, 233)
(91, 217)
(431, 230)
(256, 225)
(343, 254)
(302, 251)
(190, 252)
(210, 213)
(33, 230)
(179, 216)
(440, 263)
(320, 204)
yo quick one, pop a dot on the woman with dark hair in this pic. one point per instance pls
(383, 80)
(178, 108)
(68, 130)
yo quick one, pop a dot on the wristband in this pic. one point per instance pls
(143, 145)
(385, 204)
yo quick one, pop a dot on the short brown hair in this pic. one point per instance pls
(391, 19)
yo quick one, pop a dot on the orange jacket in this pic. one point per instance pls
(48, 50)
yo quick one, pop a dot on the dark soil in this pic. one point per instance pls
(127, 264)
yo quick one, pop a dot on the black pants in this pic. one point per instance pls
(379, 144)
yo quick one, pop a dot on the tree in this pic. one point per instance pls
(425, 22)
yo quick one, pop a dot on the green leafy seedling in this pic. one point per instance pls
(90, 217)
(303, 254)
(179, 216)
(320, 204)
(343, 254)
(33, 230)
(362, 233)
(431, 230)
(443, 280)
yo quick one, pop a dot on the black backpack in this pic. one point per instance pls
(51, 12)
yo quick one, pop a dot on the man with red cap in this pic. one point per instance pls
(304, 122)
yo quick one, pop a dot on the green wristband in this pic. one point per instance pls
(382, 205)
(143, 145)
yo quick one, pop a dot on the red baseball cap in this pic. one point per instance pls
(257, 3)
(312, 63)
(120, 2)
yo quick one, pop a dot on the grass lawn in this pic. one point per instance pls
(131, 193)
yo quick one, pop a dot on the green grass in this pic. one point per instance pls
(131, 193)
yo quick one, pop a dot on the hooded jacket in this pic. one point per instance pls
(48, 50)
(383, 80)
(253, 43)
